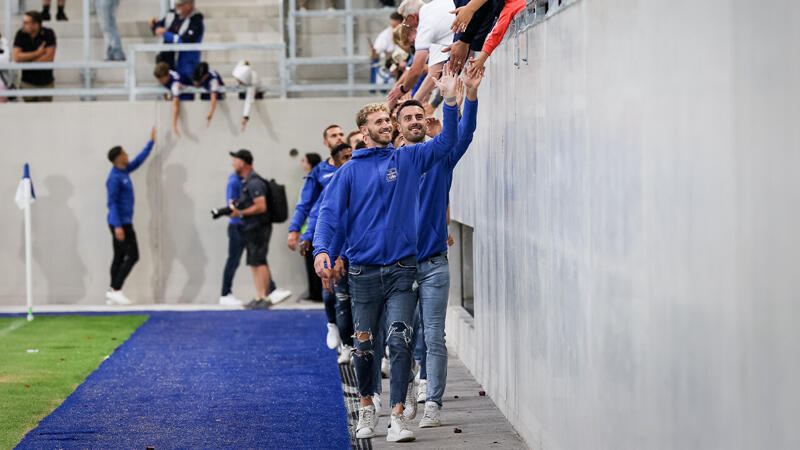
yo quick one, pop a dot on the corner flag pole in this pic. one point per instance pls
(24, 197)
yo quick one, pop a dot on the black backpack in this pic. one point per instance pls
(277, 205)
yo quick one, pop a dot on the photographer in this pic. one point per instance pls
(252, 209)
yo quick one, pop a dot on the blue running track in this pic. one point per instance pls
(232, 379)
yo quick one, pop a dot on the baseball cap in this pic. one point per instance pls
(244, 155)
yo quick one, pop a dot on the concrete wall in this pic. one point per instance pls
(634, 194)
(182, 250)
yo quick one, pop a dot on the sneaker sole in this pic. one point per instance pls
(429, 425)
(406, 439)
(369, 436)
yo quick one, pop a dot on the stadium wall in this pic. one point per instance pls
(182, 250)
(634, 196)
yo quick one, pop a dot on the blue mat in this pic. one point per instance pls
(244, 379)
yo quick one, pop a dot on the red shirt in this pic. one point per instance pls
(510, 10)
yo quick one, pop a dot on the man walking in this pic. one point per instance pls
(373, 198)
(120, 217)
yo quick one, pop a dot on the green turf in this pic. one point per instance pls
(69, 348)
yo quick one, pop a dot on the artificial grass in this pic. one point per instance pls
(33, 384)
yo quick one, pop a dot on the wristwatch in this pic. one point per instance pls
(403, 89)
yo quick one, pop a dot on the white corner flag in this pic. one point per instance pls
(24, 198)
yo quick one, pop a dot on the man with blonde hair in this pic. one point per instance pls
(372, 200)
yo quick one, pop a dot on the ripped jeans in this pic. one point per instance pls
(372, 288)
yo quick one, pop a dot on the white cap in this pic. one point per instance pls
(244, 73)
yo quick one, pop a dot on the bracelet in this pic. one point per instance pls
(451, 100)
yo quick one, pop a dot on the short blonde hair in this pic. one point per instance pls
(361, 117)
(401, 35)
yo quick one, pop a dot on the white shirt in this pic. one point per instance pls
(433, 31)
(384, 42)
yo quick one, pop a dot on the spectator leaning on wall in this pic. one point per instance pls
(175, 82)
(35, 43)
(246, 76)
(182, 26)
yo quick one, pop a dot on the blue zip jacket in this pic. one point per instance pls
(319, 177)
(120, 190)
(374, 197)
(434, 190)
(232, 192)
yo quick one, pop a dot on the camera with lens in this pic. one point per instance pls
(216, 213)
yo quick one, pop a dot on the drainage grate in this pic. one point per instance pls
(351, 401)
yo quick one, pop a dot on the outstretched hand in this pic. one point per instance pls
(473, 78)
(447, 83)
(463, 18)
(153, 134)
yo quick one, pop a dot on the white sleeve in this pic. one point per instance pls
(213, 86)
(176, 89)
(248, 100)
(383, 43)
(424, 31)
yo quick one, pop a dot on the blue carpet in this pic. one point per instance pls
(244, 379)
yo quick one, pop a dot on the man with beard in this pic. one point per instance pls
(373, 199)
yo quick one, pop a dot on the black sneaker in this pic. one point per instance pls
(61, 17)
(260, 303)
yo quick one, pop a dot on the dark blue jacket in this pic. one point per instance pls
(374, 197)
(232, 192)
(319, 177)
(434, 190)
(120, 190)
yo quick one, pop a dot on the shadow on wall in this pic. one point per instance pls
(182, 244)
(56, 254)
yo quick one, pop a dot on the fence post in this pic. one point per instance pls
(131, 73)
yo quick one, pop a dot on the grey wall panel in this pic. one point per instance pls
(633, 195)
(182, 250)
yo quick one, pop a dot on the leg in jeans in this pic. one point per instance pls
(366, 291)
(329, 298)
(107, 10)
(236, 246)
(401, 302)
(420, 349)
(344, 313)
(131, 254)
(434, 288)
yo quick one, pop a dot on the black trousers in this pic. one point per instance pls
(314, 282)
(126, 253)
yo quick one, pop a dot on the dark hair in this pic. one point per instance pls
(339, 148)
(35, 16)
(313, 159)
(113, 153)
(200, 70)
(360, 145)
(161, 70)
(325, 133)
(406, 104)
(396, 16)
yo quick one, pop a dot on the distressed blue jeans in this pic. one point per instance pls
(107, 16)
(344, 311)
(433, 277)
(383, 293)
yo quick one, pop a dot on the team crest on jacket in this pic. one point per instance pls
(391, 174)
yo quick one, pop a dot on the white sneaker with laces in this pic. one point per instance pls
(422, 393)
(117, 298)
(230, 300)
(430, 418)
(376, 400)
(367, 421)
(345, 354)
(410, 405)
(333, 340)
(398, 430)
(279, 295)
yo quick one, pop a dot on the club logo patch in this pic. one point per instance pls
(391, 174)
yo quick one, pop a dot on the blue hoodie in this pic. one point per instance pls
(374, 197)
(434, 190)
(319, 177)
(120, 190)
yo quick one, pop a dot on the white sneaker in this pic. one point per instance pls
(117, 298)
(431, 416)
(398, 430)
(385, 367)
(279, 295)
(410, 405)
(367, 421)
(230, 300)
(345, 354)
(333, 340)
(422, 393)
(376, 400)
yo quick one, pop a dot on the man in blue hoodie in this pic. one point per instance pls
(120, 217)
(373, 199)
(433, 272)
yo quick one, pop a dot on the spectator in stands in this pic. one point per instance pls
(183, 25)
(353, 138)
(175, 82)
(383, 47)
(511, 9)
(35, 43)
(211, 81)
(107, 16)
(60, 16)
(246, 76)
(329, 4)
(120, 217)
(307, 163)
(402, 37)
(473, 22)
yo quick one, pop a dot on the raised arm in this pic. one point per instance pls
(466, 127)
(133, 165)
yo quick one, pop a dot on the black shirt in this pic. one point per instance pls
(26, 43)
(253, 186)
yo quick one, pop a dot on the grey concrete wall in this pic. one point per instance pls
(634, 194)
(182, 250)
